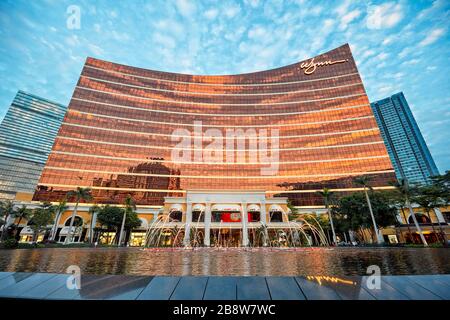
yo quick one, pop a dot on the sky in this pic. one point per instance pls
(398, 45)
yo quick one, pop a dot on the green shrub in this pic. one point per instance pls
(10, 243)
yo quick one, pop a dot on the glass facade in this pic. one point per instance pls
(407, 148)
(153, 134)
(27, 134)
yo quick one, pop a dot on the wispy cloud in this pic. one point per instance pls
(398, 45)
(383, 16)
(432, 37)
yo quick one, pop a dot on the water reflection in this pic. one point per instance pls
(207, 261)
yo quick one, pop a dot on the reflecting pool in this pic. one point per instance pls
(230, 261)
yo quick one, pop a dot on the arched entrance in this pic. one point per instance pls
(78, 230)
(176, 213)
(276, 213)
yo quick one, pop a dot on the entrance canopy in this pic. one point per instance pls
(275, 208)
(65, 231)
(198, 207)
(26, 231)
(253, 208)
(226, 207)
(176, 208)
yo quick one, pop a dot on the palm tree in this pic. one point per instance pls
(399, 202)
(430, 199)
(364, 181)
(403, 187)
(22, 213)
(130, 206)
(7, 210)
(79, 194)
(93, 212)
(60, 208)
(326, 195)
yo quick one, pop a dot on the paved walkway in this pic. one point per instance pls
(123, 287)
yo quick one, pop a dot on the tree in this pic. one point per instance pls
(111, 217)
(429, 197)
(403, 188)
(60, 208)
(42, 217)
(442, 183)
(326, 195)
(398, 201)
(293, 215)
(351, 212)
(93, 211)
(6, 210)
(79, 194)
(364, 181)
(22, 213)
(130, 206)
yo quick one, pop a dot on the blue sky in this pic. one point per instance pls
(398, 45)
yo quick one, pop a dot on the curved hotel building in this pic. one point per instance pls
(219, 145)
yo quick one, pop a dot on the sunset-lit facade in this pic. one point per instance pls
(117, 134)
(127, 128)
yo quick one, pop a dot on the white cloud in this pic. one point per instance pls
(348, 18)
(235, 35)
(385, 89)
(405, 51)
(96, 50)
(411, 62)
(342, 9)
(97, 27)
(211, 13)
(166, 41)
(257, 32)
(231, 11)
(170, 26)
(388, 40)
(382, 56)
(315, 11)
(384, 16)
(432, 37)
(436, 5)
(185, 7)
(252, 3)
(368, 53)
(73, 41)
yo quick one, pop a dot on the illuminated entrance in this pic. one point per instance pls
(229, 219)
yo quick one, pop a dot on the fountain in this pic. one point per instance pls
(166, 231)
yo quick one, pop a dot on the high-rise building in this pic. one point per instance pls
(226, 149)
(286, 132)
(407, 148)
(27, 134)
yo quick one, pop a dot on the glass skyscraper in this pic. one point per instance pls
(27, 134)
(407, 148)
(128, 132)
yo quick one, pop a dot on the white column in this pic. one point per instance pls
(263, 220)
(244, 220)
(262, 213)
(187, 227)
(439, 215)
(55, 226)
(206, 240)
(94, 222)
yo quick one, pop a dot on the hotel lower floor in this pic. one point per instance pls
(227, 219)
